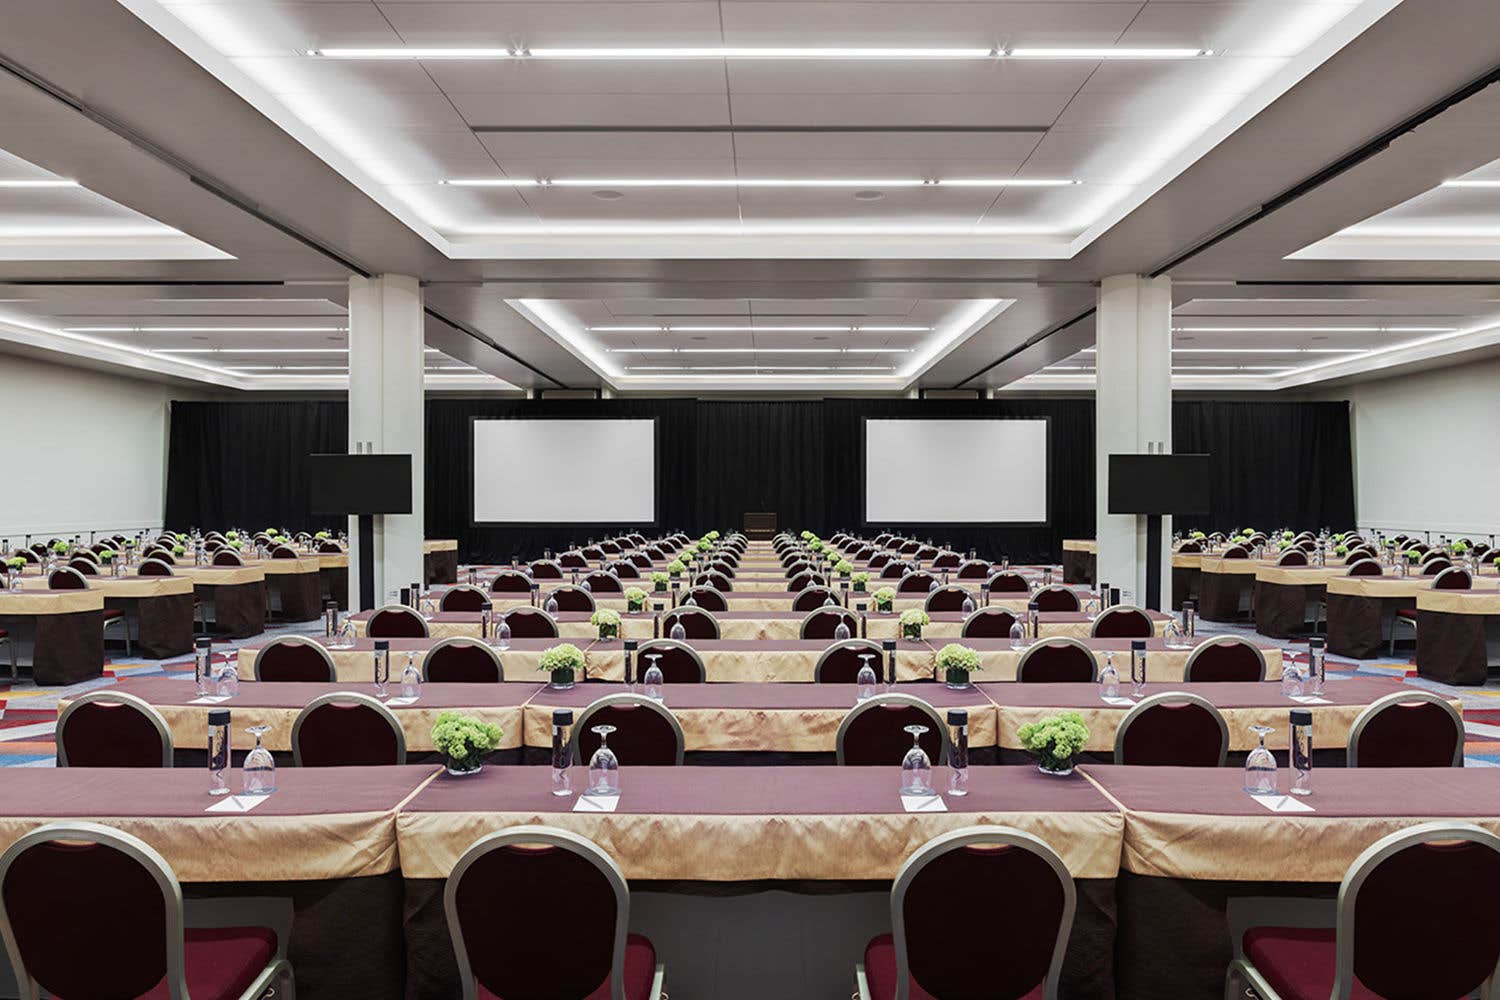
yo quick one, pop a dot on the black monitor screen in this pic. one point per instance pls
(1159, 484)
(359, 484)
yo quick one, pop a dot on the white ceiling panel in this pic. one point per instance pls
(903, 109)
(933, 22)
(604, 109)
(476, 22)
(664, 147)
(989, 77)
(634, 77)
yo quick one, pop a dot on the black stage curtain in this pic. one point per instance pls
(1275, 464)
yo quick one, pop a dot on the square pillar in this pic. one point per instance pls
(386, 416)
(1133, 414)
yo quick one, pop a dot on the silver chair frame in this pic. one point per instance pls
(626, 698)
(1171, 698)
(347, 698)
(671, 616)
(869, 645)
(950, 588)
(848, 617)
(528, 610)
(984, 612)
(894, 698)
(1374, 708)
(293, 640)
(569, 588)
(110, 697)
(463, 588)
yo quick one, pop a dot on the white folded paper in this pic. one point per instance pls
(237, 803)
(924, 803)
(210, 699)
(1283, 803)
(596, 803)
(1117, 700)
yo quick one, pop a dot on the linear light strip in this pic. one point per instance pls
(1471, 184)
(265, 350)
(850, 53)
(207, 329)
(760, 350)
(758, 368)
(758, 182)
(1312, 329)
(1254, 350)
(759, 329)
(58, 182)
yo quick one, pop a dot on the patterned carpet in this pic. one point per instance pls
(28, 714)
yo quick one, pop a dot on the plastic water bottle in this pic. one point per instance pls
(562, 752)
(958, 754)
(678, 632)
(218, 751)
(841, 631)
(1301, 751)
(1138, 667)
(865, 683)
(1317, 674)
(411, 678)
(1017, 635)
(1109, 678)
(203, 678)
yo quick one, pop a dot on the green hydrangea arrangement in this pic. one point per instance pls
(704, 545)
(15, 563)
(675, 567)
(860, 580)
(844, 567)
(884, 598)
(106, 556)
(635, 597)
(957, 661)
(60, 547)
(816, 545)
(236, 544)
(1198, 536)
(913, 620)
(1287, 536)
(659, 581)
(565, 658)
(232, 535)
(1341, 550)
(713, 536)
(1459, 548)
(607, 621)
(1055, 740)
(806, 536)
(177, 550)
(1413, 555)
(464, 740)
(322, 536)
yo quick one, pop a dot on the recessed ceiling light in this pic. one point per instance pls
(868, 195)
(608, 194)
(759, 329)
(818, 337)
(761, 182)
(760, 350)
(205, 329)
(847, 53)
(1313, 329)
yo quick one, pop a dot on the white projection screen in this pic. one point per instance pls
(956, 471)
(564, 470)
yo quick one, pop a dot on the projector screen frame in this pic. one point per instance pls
(925, 526)
(656, 483)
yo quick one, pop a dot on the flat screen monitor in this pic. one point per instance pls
(1160, 484)
(359, 484)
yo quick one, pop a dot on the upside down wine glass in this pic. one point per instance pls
(259, 771)
(604, 766)
(916, 769)
(866, 681)
(1260, 765)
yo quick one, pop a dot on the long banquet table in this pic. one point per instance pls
(1456, 631)
(65, 629)
(1361, 609)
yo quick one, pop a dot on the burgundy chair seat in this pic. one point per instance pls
(1054, 662)
(878, 737)
(110, 613)
(396, 623)
(1298, 961)
(544, 570)
(601, 582)
(1057, 599)
(989, 623)
(462, 662)
(347, 735)
(696, 623)
(293, 660)
(822, 623)
(1006, 582)
(512, 582)
(104, 734)
(708, 598)
(812, 598)
(977, 569)
(916, 583)
(880, 972)
(1407, 613)
(463, 599)
(1124, 623)
(893, 570)
(640, 969)
(677, 663)
(221, 962)
(642, 738)
(1226, 661)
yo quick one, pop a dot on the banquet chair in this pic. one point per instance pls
(347, 729)
(463, 597)
(679, 663)
(917, 959)
(228, 557)
(883, 538)
(1414, 919)
(946, 560)
(840, 662)
(1435, 565)
(1190, 547)
(658, 553)
(602, 582)
(878, 560)
(330, 547)
(641, 560)
(68, 578)
(546, 569)
(1008, 582)
(510, 893)
(1450, 578)
(926, 553)
(706, 597)
(283, 552)
(570, 598)
(592, 553)
(804, 580)
(949, 598)
(513, 581)
(292, 658)
(873, 733)
(610, 548)
(809, 598)
(864, 552)
(530, 623)
(216, 536)
(917, 582)
(718, 581)
(1057, 597)
(1292, 557)
(396, 621)
(988, 623)
(1235, 552)
(112, 729)
(909, 548)
(973, 569)
(153, 567)
(625, 570)
(572, 560)
(1172, 729)
(696, 623)
(1412, 728)
(87, 910)
(893, 570)
(1227, 658)
(1366, 567)
(85, 566)
(821, 623)
(212, 545)
(1306, 545)
(460, 659)
(1123, 621)
(1059, 659)
(646, 734)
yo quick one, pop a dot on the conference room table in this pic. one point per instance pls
(1362, 609)
(439, 560)
(159, 607)
(325, 840)
(1287, 597)
(236, 596)
(1456, 632)
(1080, 559)
(64, 629)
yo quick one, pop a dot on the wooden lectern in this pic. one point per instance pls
(760, 525)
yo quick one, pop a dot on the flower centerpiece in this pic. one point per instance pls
(234, 543)
(607, 621)
(704, 545)
(1055, 741)
(816, 545)
(860, 581)
(15, 564)
(806, 536)
(1198, 536)
(1341, 550)
(912, 622)
(563, 662)
(464, 740)
(322, 536)
(1287, 536)
(60, 547)
(177, 550)
(713, 536)
(232, 536)
(1413, 556)
(844, 567)
(635, 597)
(659, 582)
(956, 662)
(1459, 548)
(884, 598)
(106, 556)
(675, 568)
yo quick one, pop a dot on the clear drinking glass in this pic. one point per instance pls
(916, 769)
(1017, 635)
(227, 679)
(258, 776)
(865, 681)
(411, 679)
(1109, 677)
(551, 606)
(968, 606)
(841, 630)
(604, 767)
(678, 632)
(651, 680)
(1260, 765)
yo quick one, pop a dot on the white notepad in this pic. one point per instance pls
(210, 699)
(924, 804)
(400, 702)
(1283, 803)
(1309, 699)
(1117, 700)
(237, 803)
(596, 803)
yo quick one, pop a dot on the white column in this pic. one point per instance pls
(1133, 415)
(386, 417)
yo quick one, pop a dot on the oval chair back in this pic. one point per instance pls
(696, 623)
(330, 547)
(291, 658)
(1433, 567)
(714, 579)
(1292, 557)
(988, 623)
(228, 557)
(874, 731)
(570, 598)
(1235, 552)
(602, 582)
(1172, 729)
(974, 569)
(909, 548)
(1190, 547)
(917, 582)
(513, 581)
(640, 560)
(347, 729)
(946, 560)
(1413, 728)
(893, 570)
(1123, 621)
(1229, 658)
(1366, 567)
(626, 570)
(66, 578)
(1057, 598)
(396, 621)
(823, 622)
(840, 663)
(530, 623)
(949, 598)
(546, 569)
(926, 553)
(112, 729)
(878, 560)
(283, 552)
(462, 660)
(549, 878)
(1007, 582)
(572, 560)
(679, 663)
(1453, 578)
(1059, 659)
(592, 553)
(463, 597)
(811, 598)
(1033, 939)
(87, 567)
(708, 598)
(153, 567)
(646, 733)
(804, 580)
